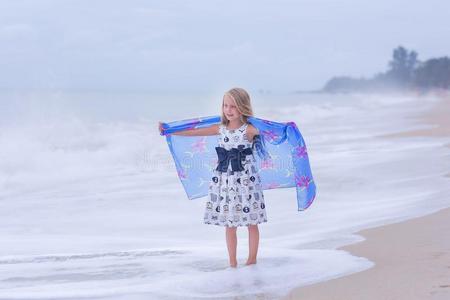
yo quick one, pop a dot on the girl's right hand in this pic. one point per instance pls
(160, 128)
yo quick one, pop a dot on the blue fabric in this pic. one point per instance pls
(280, 152)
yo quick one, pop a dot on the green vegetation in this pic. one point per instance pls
(405, 72)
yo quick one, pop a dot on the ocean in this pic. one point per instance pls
(91, 206)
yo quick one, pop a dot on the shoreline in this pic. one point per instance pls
(412, 259)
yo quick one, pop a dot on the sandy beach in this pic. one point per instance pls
(412, 258)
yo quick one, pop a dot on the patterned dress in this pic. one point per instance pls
(235, 197)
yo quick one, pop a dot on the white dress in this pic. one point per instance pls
(235, 197)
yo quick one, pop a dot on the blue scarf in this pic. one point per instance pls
(281, 157)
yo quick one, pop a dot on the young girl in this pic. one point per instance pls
(235, 193)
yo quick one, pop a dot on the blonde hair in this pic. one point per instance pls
(243, 104)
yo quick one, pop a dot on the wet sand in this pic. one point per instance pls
(412, 258)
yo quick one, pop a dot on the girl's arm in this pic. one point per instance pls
(251, 132)
(211, 130)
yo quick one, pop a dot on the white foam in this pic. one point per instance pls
(90, 205)
(184, 273)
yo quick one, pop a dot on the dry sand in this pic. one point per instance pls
(412, 258)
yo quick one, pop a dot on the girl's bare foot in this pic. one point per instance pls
(233, 264)
(250, 262)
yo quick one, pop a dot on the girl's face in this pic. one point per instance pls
(229, 109)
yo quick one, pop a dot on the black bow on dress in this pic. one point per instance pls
(235, 156)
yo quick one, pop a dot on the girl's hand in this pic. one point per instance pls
(160, 127)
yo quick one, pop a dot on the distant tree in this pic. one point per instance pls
(344, 84)
(433, 73)
(402, 65)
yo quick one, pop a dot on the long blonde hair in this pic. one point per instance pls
(243, 104)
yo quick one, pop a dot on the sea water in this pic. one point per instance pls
(91, 206)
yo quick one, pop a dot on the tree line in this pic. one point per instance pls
(405, 72)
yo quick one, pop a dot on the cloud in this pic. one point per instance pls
(16, 31)
(141, 44)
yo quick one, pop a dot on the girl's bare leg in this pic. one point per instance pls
(230, 233)
(253, 242)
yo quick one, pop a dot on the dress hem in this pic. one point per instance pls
(237, 225)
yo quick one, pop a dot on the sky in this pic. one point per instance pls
(138, 45)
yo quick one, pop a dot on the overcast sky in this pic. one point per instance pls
(204, 45)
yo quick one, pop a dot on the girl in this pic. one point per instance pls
(235, 193)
